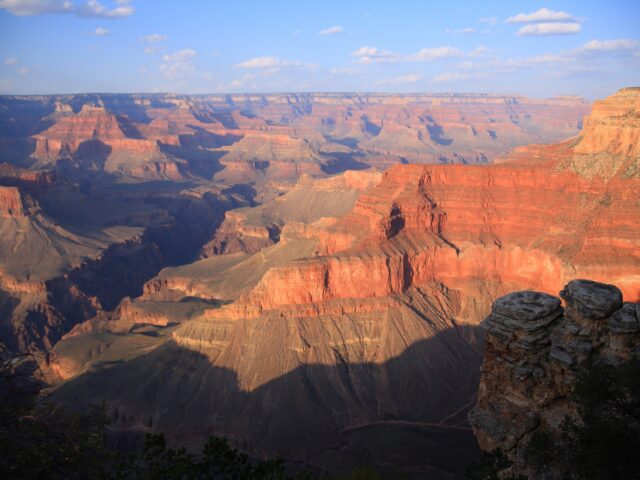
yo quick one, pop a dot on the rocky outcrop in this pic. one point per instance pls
(609, 144)
(613, 126)
(534, 350)
(234, 236)
(15, 204)
(14, 176)
(95, 139)
(249, 230)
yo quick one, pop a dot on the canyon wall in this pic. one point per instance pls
(343, 320)
(270, 139)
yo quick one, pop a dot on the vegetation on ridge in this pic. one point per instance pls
(600, 444)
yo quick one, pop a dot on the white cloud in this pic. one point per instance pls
(88, 8)
(93, 8)
(24, 70)
(621, 44)
(10, 61)
(462, 30)
(343, 71)
(180, 56)
(178, 64)
(550, 29)
(248, 80)
(331, 30)
(479, 51)
(368, 55)
(267, 62)
(435, 53)
(404, 79)
(153, 38)
(542, 15)
(491, 21)
(372, 54)
(456, 77)
(101, 32)
(36, 7)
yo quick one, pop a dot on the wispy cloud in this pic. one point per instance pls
(372, 54)
(101, 32)
(368, 55)
(153, 38)
(93, 8)
(457, 77)
(332, 30)
(597, 56)
(11, 61)
(435, 53)
(343, 71)
(401, 80)
(88, 8)
(491, 21)
(619, 45)
(178, 64)
(542, 15)
(267, 62)
(551, 28)
(461, 30)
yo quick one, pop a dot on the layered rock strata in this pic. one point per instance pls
(534, 350)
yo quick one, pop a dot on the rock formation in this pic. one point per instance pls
(534, 350)
(313, 335)
(341, 312)
(262, 139)
(610, 142)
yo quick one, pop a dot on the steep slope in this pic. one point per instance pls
(250, 229)
(66, 255)
(610, 143)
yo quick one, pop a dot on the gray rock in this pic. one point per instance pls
(626, 320)
(524, 311)
(592, 299)
(526, 305)
(561, 355)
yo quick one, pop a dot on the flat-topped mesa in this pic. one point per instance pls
(534, 352)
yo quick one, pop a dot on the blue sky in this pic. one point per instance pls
(541, 49)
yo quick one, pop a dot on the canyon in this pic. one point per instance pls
(240, 265)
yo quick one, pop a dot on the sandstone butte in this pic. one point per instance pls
(534, 351)
(372, 319)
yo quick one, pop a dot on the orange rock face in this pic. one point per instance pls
(613, 126)
(524, 224)
(14, 203)
(368, 315)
